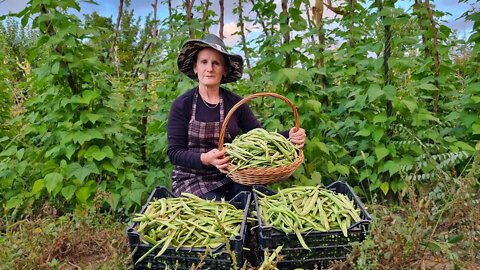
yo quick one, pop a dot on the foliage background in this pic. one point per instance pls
(389, 97)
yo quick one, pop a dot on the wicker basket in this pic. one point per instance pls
(261, 176)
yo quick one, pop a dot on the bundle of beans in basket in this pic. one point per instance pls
(187, 221)
(260, 148)
(307, 208)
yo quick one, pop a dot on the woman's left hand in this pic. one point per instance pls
(297, 137)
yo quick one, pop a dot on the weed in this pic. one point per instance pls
(66, 241)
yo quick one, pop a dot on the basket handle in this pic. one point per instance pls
(241, 102)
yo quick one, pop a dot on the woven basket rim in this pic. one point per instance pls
(261, 175)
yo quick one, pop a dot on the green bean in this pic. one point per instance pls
(259, 148)
(305, 208)
(188, 221)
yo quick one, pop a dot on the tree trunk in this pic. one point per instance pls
(205, 16)
(386, 57)
(435, 55)
(189, 17)
(244, 39)
(117, 26)
(70, 77)
(260, 19)
(418, 7)
(317, 11)
(146, 109)
(351, 15)
(286, 36)
(113, 51)
(170, 11)
(336, 10)
(309, 20)
(221, 19)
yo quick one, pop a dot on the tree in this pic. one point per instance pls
(102, 40)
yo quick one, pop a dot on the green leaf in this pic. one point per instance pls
(80, 136)
(55, 150)
(370, 161)
(55, 67)
(82, 173)
(392, 167)
(374, 92)
(364, 133)
(390, 92)
(95, 153)
(351, 71)
(14, 202)
(428, 86)
(92, 167)
(107, 165)
(432, 246)
(136, 196)
(20, 153)
(476, 129)
(342, 169)
(427, 115)
(21, 167)
(53, 181)
(91, 117)
(464, 146)
(83, 194)
(71, 168)
(89, 95)
(384, 187)
(99, 155)
(321, 146)
(68, 191)
(132, 128)
(108, 151)
(380, 118)
(381, 152)
(315, 105)
(410, 105)
(114, 200)
(316, 177)
(291, 73)
(38, 186)
(69, 151)
(378, 134)
(10, 151)
(455, 239)
(468, 118)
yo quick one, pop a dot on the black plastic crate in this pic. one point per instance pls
(325, 246)
(184, 258)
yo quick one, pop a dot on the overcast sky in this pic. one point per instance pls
(143, 7)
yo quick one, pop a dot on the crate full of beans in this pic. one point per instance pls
(189, 232)
(309, 226)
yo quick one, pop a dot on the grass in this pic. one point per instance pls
(72, 241)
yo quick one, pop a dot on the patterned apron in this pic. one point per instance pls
(202, 137)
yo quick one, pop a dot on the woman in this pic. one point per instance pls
(196, 117)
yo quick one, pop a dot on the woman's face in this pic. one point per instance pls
(210, 67)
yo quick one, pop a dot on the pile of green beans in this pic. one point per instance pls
(187, 221)
(307, 208)
(260, 148)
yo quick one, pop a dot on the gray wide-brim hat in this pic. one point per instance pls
(191, 48)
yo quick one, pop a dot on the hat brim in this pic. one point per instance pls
(191, 47)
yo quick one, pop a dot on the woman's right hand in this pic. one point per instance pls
(215, 158)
